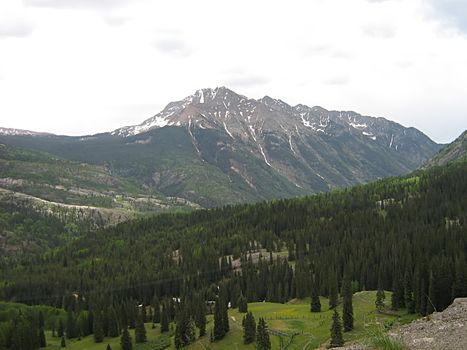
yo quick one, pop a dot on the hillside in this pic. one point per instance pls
(45, 199)
(217, 147)
(395, 225)
(390, 234)
(58, 180)
(455, 151)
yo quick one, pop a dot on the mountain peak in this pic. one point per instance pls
(20, 132)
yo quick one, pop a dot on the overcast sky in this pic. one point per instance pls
(86, 66)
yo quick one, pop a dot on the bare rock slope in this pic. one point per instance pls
(445, 330)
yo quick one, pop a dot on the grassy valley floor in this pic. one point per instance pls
(292, 326)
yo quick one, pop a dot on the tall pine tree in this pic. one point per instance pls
(125, 340)
(347, 307)
(249, 328)
(140, 330)
(336, 331)
(262, 336)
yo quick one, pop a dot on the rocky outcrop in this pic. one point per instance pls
(446, 330)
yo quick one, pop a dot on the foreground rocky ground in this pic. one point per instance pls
(445, 330)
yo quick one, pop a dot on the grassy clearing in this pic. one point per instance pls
(291, 323)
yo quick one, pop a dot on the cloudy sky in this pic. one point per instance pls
(85, 66)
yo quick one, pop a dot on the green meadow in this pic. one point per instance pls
(292, 326)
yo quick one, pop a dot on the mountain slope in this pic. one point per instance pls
(40, 176)
(217, 147)
(457, 150)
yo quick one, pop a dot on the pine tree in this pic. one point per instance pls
(315, 303)
(97, 327)
(41, 324)
(459, 287)
(380, 296)
(140, 330)
(430, 304)
(113, 329)
(71, 329)
(408, 294)
(143, 313)
(336, 331)
(61, 328)
(242, 304)
(262, 336)
(164, 319)
(108, 347)
(201, 318)
(397, 297)
(63, 342)
(219, 330)
(157, 310)
(333, 291)
(225, 317)
(184, 330)
(249, 328)
(125, 340)
(347, 308)
(42, 340)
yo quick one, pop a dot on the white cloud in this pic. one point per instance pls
(14, 20)
(92, 66)
(451, 12)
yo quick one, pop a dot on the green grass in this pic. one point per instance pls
(156, 341)
(293, 322)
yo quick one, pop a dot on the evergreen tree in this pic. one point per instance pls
(408, 294)
(61, 328)
(143, 313)
(108, 347)
(41, 324)
(125, 340)
(347, 307)
(157, 310)
(140, 330)
(380, 296)
(336, 331)
(184, 330)
(249, 328)
(398, 295)
(201, 318)
(314, 300)
(219, 330)
(430, 304)
(333, 290)
(242, 304)
(113, 329)
(164, 319)
(459, 287)
(42, 340)
(225, 317)
(97, 327)
(63, 342)
(71, 329)
(262, 336)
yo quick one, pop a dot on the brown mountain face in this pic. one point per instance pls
(217, 147)
(310, 146)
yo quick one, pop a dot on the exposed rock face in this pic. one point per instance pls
(445, 330)
(217, 147)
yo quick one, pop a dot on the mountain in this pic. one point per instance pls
(18, 132)
(457, 150)
(217, 147)
(54, 185)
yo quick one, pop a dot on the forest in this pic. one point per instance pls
(403, 234)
